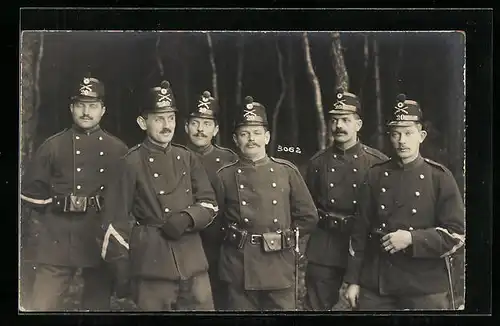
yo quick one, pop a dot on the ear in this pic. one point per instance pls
(235, 139)
(359, 124)
(423, 134)
(142, 122)
(186, 129)
(72, 107)
(216, 130)
(267, 137)
(103, 110)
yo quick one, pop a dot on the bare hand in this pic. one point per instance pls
(396, 241)
(352, 295)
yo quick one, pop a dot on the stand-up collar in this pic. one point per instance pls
(79, 130)
(408, 166)
(355, 149)
(247, 161)
(155, 147)
(200, 150)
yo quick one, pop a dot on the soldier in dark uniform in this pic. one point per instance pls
(411, 218)
(263, 200)
(333, 177)
(162, 189)
(63, 185)
(201, 127)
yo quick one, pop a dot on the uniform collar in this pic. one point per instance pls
(155, 147)
(408, 166)
(355, 149)
(260, 162)
(200, 150)
(78, 130)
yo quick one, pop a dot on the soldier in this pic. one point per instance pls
(333, 177)
(411, 218)
(163, 189)
(201, 127)
(264, 199)
(63, 186)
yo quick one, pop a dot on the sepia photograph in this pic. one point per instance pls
(242, 171)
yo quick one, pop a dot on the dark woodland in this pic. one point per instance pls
(294, 75)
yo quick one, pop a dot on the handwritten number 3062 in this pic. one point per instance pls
(289, 149)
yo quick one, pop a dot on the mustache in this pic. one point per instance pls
(340, 132)
(200, 134)
(165, 131)
(252, 144)
(86, 117)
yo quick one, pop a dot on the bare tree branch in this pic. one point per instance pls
(366, 60)
(214, 67)
(291, 95)
(317, 92)
(276, 110)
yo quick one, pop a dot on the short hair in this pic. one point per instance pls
(354, 114)
(266, 128)
(216, 122)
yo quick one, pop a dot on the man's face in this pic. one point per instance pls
(345, 127)
(201, 131)
(159, 127)
(252, 140)
(87, 114)
(406, 140)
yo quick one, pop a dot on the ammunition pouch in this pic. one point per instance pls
(270, 241)
(333, 221)
(76, 204)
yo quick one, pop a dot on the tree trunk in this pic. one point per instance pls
(378, 97)
(159, 60)
(239, 74)
(366, 52)
(214, 75)
(294, 128)
(317, 92)
(338, 62)
(277, 108)
(340, 71)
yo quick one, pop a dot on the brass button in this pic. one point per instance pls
(271, 169)
(242, 186)
(355, 156)
(178, 157)
(101, 153)
(78, 169)
(243, 203)
(414, 211)
(275, 220)
(354, 170)
(332, 200)
(77, 137)
(417, 193)
(334, 155)
(162, 192)
(354, 185)
(151, 159)
(333, 169)
(239, 171)
(102, 187)
(410, 229)
(78, 152)
(217, 159)
(383, 190)
(78, 187)
(100, 138)
(101, 170)
(386, 173)
(422, 176)
(166, 210)
(275, 202)
(382, 206)
(272, 241)
(331, 185)
(245, 220)
(354, 202)
(156, 175)
(273, 184)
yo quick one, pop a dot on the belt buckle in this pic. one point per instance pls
(254, 237)
(92, 201)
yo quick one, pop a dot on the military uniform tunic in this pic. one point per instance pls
(153, 182)
(421, 197)
(263, 196)
(72, 161)
(334, 177)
